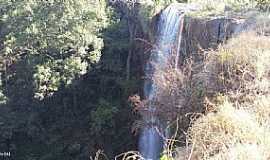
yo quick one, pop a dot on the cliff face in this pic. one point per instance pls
(203, 33)
(207, 33)
(62, 127)
(195, 36)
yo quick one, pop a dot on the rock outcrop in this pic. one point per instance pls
(202, 33)
(207, 33)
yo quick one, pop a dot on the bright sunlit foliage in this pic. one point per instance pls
(61, 37)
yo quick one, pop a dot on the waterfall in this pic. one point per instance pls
(168, 42)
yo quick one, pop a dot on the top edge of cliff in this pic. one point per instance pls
(219, 8)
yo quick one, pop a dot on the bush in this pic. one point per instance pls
(228, 133)
(239, 120)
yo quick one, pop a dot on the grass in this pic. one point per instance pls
(228, 133)
(239, 125)
(234, 84)
(231, 91)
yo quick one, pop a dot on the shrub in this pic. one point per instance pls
(228, 133)
(239, 122)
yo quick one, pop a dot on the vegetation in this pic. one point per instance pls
(263, 4)
(68, 67)
(235, 125)
(60, 39)
(62, 79)
(224, 99)
(233, 84)
(208, 8)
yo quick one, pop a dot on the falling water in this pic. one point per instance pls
(168, 42)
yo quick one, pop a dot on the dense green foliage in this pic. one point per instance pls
(61, 37)
(67, 69)
(63, 91)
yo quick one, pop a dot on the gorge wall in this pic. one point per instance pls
(195, 35)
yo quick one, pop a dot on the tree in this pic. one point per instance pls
(60, 39)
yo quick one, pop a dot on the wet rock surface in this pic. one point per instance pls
(200, 34)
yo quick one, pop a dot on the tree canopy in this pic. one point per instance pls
(61, 39)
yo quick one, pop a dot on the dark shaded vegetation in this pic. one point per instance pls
(50, 110)
(66, 76)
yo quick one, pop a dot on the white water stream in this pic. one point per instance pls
(168, 42)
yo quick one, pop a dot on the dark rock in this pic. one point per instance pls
(200, 34)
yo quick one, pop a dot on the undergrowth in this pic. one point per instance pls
(223, 102)
(236, 79)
